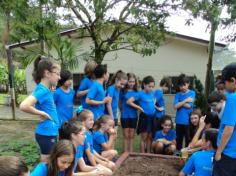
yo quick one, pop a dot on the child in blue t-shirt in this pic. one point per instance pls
(60, 162)
(46, 75)
(164, 141)
(75, 132)
(113, 91)
(225, 158)
(129, 114)
(86, 82)
(183, 104)
(146, 104)
(201, 163)
(104, 137)
(92, 157)
(96, 99)
(64, 97)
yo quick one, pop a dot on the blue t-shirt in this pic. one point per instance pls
(42, 170)
(160, 102)
(89, 137)
(45, 102)
(229, 119)
(64, 102)
(97, 93)
(170, 136)
(114, 93)
(85, 84)
(80, 150)
(147, 101)
(99, 138)
(183, 113)
(127, 111)
(200, 163)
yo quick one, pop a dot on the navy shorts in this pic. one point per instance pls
(225, 166)
(45, 143)
(145, 124)
(128, 122)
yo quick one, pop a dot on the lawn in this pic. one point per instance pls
(3, 98)
(17, 138)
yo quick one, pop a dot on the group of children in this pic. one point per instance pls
(83, 144)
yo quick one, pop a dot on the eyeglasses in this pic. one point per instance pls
(167, 125)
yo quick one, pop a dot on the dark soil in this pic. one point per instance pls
(149, 166)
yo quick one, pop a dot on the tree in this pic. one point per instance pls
(136, 25)
(210, 10)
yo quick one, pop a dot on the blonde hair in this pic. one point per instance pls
(89, 68)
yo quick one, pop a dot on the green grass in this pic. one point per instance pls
(2, 98)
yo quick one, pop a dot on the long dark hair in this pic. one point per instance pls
(62, 148)
(41, 64)
(68, 128)
(211, 135)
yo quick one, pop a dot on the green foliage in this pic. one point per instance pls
(27, 149)
(137, 25)
(201, 101)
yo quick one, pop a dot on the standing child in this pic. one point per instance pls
(164, 140)
(86, 82)
(129, 114)
(96, 99)
(13, 166)
(46, 75)
(86, 117)
(146, 101)
(201, 163)
(113, 91)
(60, 162)
(225, 158)
(64, 97)
(183, 104)
(103, 144)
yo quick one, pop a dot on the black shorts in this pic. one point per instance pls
(145, 124)
(157, 126)
(45, 143)
(128, 122)
(116, 122)
(225, 166)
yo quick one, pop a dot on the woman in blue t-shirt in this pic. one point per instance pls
(129, 114)
(86, 82)
(64, 97)
(164, 141)
(146, 104)
(60, 162)
(46, 74)
(201, 163)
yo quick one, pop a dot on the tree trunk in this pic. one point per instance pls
(99, 55)
(210, 57)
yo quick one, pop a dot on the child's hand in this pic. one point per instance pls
(141, 109)
(160, 109)
(202, 122)
(189, 100)
(112, 131)
(45, 116)
(107, 100)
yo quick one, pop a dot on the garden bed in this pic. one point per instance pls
(137, 164)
